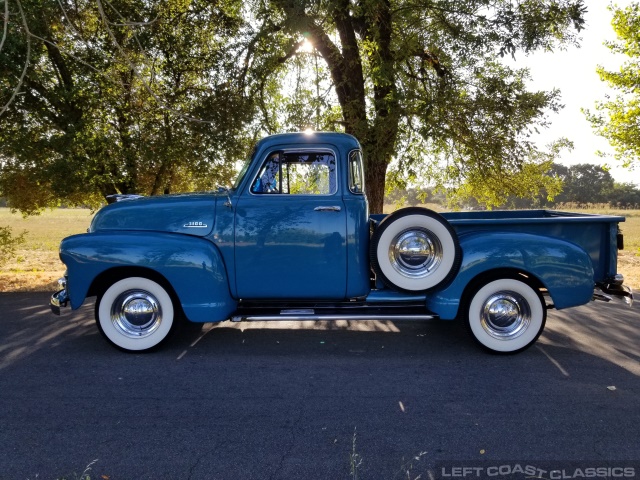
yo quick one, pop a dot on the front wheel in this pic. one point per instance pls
(506, 315)
(135, 314)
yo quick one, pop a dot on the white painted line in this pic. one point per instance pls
(554, 361)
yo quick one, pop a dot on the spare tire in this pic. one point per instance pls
(415, 249)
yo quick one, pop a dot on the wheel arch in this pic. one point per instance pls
(108, 277)
(191, 269)
(496, 274)
(564, 269)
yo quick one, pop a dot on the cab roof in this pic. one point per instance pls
(301, 138)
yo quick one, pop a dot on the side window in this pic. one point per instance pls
(297, 173)
(356, 177)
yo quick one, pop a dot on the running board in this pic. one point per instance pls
(310, 315)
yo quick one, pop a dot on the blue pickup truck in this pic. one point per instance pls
(293, 240)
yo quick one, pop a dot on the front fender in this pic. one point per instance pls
(562, 267)
(193, 266)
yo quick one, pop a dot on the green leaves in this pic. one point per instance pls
(618, 119)
(148, 97)
(120, 96)
(418, 84)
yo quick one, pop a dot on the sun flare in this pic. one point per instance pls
(306, 46)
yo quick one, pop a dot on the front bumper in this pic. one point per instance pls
(60, 299)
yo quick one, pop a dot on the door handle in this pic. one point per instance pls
(328, 208)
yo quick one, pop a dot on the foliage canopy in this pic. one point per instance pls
(419, 83)
(618, 119)
(120, 96)
(109, 91)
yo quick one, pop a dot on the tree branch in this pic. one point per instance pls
(5, 23)
(26, 61)
(432, 60)
(135, 72)
(265, 30)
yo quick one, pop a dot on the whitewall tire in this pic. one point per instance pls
(414, 250)
(135, 314)
(506, 315)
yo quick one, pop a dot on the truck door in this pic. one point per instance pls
(290, 230)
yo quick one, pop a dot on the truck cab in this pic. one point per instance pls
(300, 215)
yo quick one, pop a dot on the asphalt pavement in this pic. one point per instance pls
(366, 400)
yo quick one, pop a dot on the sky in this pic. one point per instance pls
(573, 71)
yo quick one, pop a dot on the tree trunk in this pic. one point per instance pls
(375, 176)
(377, 155)
(162, 179)
(377, 134)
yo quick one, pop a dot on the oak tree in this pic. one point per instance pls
(420, 82)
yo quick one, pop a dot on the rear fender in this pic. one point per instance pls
(192, 266)
(563, 268)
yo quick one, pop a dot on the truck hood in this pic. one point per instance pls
(191, 214)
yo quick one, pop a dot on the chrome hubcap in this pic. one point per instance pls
(505, 315)
(136, 313)
(415, 253)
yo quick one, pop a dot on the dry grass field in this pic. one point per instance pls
(36, 266)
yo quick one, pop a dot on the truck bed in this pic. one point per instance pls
(594, 233)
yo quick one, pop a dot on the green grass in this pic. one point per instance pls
(45, 231)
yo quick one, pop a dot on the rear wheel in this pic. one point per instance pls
(506, 315)
(135, 314)
(415, 249)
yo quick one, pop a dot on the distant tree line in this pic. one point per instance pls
(583, 185)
